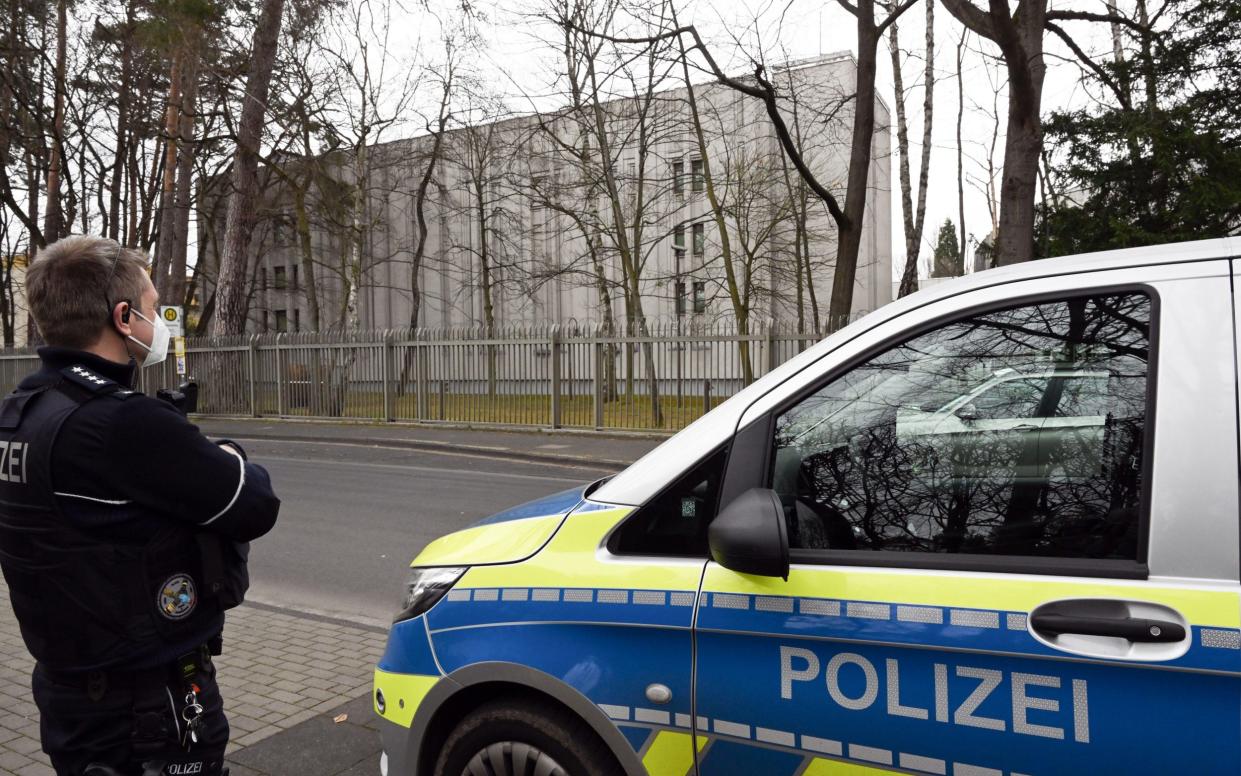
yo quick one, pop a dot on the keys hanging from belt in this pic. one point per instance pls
(189, 666)
(191, 714)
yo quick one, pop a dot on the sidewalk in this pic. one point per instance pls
(285, 677)
(608, 450)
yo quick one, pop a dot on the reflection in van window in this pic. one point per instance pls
(1017, 432)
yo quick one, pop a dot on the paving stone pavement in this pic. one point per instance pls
(280, 669)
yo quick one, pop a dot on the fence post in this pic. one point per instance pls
(706, 396)
(598, 400)
(771, 347)
(251, 362)
(420, 381)
(442, 397)
(385, 375)
(280, 409)
(556, 377)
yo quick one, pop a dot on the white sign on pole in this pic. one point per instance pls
(179, 351)
(174, 317)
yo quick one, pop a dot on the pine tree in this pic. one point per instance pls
(946, 261)
(1160, 160)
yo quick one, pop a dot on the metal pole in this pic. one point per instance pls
(251, 360)
(420, 378)
(771, 346)
(385, 376)
(556, 387)
(706, 396)
(598, 401)
(279, 378)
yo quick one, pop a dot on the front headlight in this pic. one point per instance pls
(424, 588)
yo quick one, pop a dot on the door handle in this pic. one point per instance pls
(1136, 629)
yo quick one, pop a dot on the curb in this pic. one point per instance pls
(424, 445)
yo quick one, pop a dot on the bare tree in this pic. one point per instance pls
(437, 127)
(849, 217)
(607, 136)
(1019, 33)
(960, 152)
(52, 220)
(914, 217)
(230, 298)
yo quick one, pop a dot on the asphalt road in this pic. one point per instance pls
(353, 516)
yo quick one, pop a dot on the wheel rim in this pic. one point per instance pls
(512, 758)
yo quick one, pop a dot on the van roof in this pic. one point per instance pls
(1150, 255)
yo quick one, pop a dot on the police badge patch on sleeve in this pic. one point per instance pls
(177, 597)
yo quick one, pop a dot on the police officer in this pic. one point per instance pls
(123, 529)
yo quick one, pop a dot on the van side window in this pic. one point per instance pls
(675, 522)
(1016, 432)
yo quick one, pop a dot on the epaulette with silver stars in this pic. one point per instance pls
(93, 382)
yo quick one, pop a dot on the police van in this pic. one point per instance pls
(991, 528)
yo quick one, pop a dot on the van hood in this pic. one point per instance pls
(506, 537)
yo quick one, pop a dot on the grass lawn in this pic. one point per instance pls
(633, 413)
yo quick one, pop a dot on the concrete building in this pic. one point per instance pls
(585, 216)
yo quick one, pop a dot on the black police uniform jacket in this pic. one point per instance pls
(122, 528)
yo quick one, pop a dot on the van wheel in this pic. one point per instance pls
(519, 738)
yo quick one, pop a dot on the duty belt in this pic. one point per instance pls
(177, 673)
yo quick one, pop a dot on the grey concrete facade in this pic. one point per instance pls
(522, 218)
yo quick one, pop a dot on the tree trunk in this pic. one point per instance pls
(1021, 154)
(960, 153)
(122, 126)
(175, 284)
(167, 192)
(231, 312)
(1020, 40)
(849, 233)
(420, 211)
(52, 224)
(307, 255)
(914, 218)
(740, 301)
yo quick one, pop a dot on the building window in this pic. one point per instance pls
(678, 178)
(678, 259)
(540, 192)
(678, 236)
(700, 296)
(295, 278)
(279, 279)
(697, 178)
(700, 239)
(297, 320)
(681, 300)
(284, 231)
(282, 320)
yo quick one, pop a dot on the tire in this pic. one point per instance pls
(523, 738)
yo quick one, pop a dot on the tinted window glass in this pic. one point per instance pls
(1017, 432)
(675, 522)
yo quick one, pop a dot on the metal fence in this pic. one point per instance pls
(557, 376)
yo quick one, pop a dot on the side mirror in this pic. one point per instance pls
(968, 413)
(750, 535)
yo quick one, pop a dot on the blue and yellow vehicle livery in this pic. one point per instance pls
(697, 613)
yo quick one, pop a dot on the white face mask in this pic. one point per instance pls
(157, 351)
